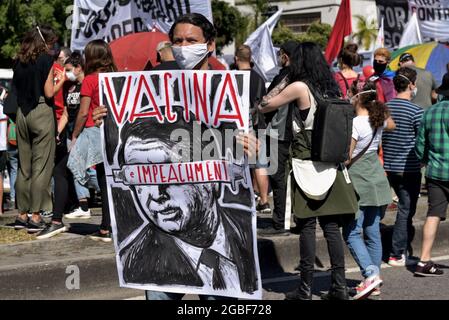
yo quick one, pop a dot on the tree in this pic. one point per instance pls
(367, 32)
(259, 7)
(230, 24)
(18, 16)
(317, 32)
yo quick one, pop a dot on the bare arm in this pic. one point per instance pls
(48, 87)
(81, 118)
(62, 78)
(434, 96)
(390, 124)
(351, 150)
(294, 91)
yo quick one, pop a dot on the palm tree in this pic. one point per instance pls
(367, 31)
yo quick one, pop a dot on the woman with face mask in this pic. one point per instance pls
(370, 183)
(73, 69)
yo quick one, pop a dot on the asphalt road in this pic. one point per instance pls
(399, 284)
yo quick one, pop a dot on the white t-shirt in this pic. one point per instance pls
(3, 129)
(362, 132)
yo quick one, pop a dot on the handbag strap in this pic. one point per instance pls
(357, 157)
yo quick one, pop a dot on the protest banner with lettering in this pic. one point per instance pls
(395, 14)
(433, 18)
(112, 19)
(180, 193)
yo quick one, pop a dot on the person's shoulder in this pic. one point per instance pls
(91, 78)
(45, 58)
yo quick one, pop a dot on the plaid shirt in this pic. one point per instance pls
(432, 143)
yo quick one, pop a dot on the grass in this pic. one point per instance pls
(9, 235)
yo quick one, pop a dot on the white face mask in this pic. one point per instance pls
(188, 57)
(71, 76)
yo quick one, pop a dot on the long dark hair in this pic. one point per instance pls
(378, 111)
(99, 57)
(33, 45)
(309, 65)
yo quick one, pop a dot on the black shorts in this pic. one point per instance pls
(3, 161)
(438, 198)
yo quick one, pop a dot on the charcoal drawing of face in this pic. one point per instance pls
(186, 211)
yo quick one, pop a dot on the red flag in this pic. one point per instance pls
(342, 28)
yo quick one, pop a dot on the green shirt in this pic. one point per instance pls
(432, 143)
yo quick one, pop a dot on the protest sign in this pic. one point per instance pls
(112, 19)
(395, 15)
(433, 18)
(180, 193)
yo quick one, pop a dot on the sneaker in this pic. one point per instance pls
(51, 230)
(78, 213)
(263, 208)
(272, 231)
(33, 227)
(397, 262)
(366, 287)
(98, 236)
(427, 269)
(20, 224)
(46, 214)
(376, 292)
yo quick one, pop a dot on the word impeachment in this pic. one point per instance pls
(211, 97)
(174, 173)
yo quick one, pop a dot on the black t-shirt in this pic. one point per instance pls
(29, 80)
(72, 100)
(167, 65)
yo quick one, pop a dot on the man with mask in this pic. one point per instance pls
(193, 41)
(281, 120)
(383, 77)
(401, 163)
(425, 82)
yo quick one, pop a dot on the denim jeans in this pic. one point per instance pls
(407, 186)
(366, 250)
(82, 191)
(13, 164)
(158, 295)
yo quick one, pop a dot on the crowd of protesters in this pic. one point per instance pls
(400, 125)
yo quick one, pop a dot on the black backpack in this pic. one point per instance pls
(332, 129)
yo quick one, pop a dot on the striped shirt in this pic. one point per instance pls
(432, 143)
(399, 144)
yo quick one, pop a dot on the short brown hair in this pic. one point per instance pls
(243, 52)
(383, 52)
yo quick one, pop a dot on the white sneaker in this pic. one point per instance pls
(395, 262)
(78, 213)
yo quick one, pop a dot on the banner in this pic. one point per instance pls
(395, 14)
(412, 33)
(180, 193)
(262, 48)
(112, 19)
(433, 18)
